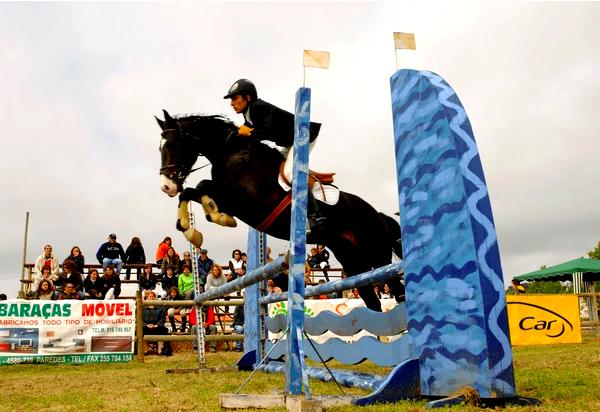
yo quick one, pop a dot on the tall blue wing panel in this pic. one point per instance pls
(454, 286)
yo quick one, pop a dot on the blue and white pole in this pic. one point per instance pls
(295, 372)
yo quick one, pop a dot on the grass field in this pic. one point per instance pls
(564, 377)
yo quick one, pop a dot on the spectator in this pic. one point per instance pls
(111, 284)
(313, 258)
(376, 290)
(387, 293)
(72, 276)
(324, 296)
(77, 258)
(148, 280)
(161, 250)
(209, 325)
(168, 281)
(45, 290)
(185, 283)
(272, 287)
(171, 259)
(69, 292)
(187, 260)
(153, 321)
(3, 296)
(216, 278)
(236, 265)
(134, 255)
(111, 253)
(93, 285)
(173, 295)
(354, 294)
(323, 259)
(238, 325)
(204, 265)
(46, 259)
(46, 274)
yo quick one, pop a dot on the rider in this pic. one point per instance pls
(264, 121)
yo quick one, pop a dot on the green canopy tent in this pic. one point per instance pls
(564, 271)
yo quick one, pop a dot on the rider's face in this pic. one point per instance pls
(239, 103)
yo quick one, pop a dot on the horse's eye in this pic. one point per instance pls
(162, 143)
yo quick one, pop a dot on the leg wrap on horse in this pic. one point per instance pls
(183, 224)
(213, 215)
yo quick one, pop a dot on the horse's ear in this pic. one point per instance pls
(168, 119)
(160, 123)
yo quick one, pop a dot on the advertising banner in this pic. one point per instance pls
(543, 319)
(69, 331)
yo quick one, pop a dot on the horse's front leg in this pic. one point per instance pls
(204, 194)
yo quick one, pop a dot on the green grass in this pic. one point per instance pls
(564, 377)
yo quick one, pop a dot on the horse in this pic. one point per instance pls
(245, 185)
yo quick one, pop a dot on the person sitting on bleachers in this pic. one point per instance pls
(153, 321)
(236, 265)
(173, 295)
(93, 285)
(186, 260)
(185, 283)
(216, 278)
(69, 292)
(148, 280)
(171, 259)
(111, 287)
(46, 259)
(72, 276)
(204, 265)
(76, 257)
(45, 274)
(168, 281)
(45, 290)
(238, 326)
(209, 325)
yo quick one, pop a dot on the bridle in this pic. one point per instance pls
(181, 175)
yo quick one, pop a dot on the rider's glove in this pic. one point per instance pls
(245, 131)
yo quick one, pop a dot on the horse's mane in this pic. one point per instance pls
(201, 116)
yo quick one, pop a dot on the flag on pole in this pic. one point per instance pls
(314, 58)
(405, 41)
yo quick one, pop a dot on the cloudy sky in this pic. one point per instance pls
(81, 82)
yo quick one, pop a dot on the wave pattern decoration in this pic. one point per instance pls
(365, 348)
(381, 324)
(454, 287)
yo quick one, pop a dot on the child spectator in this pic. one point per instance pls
(174, 295)
(45, 290)
(171, 259)
(44, 275)
(204, 265)
(236, 265)
(93, 285)
(209, 325)
(111, 284)
(111, 253)
(46, 259)
(216, 278)
(77, 258)
(153, 321)
(69, 292)
(161, 250)
(148, 280)
(134, 255)
(168, 281)
(238, 325)
(187, 260)
(186, 283)
(72, 276)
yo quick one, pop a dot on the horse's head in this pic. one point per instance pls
(177, 155)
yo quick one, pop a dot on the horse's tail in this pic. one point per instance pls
(394, 234)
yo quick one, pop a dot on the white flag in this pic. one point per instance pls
(404, 41)
(314, 58)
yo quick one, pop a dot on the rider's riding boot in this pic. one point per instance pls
(316, 221)
(213, 215)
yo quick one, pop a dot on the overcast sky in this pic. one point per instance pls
(81, 82)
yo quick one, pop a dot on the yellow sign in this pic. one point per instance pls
(404, 41)
(543, 319)
(314, 58)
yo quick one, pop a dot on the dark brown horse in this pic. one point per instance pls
(244, 184)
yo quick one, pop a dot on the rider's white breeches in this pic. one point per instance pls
(288, 167)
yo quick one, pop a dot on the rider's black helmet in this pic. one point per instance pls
(243, 87)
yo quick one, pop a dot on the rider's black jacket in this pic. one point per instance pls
(274, 124)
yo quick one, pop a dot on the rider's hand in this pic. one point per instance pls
(245, 131)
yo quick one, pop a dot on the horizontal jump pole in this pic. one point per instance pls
(257, 275)
(191, 338)
(189, 303)
(373, 276)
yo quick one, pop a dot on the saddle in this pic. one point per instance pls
(325, 178)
